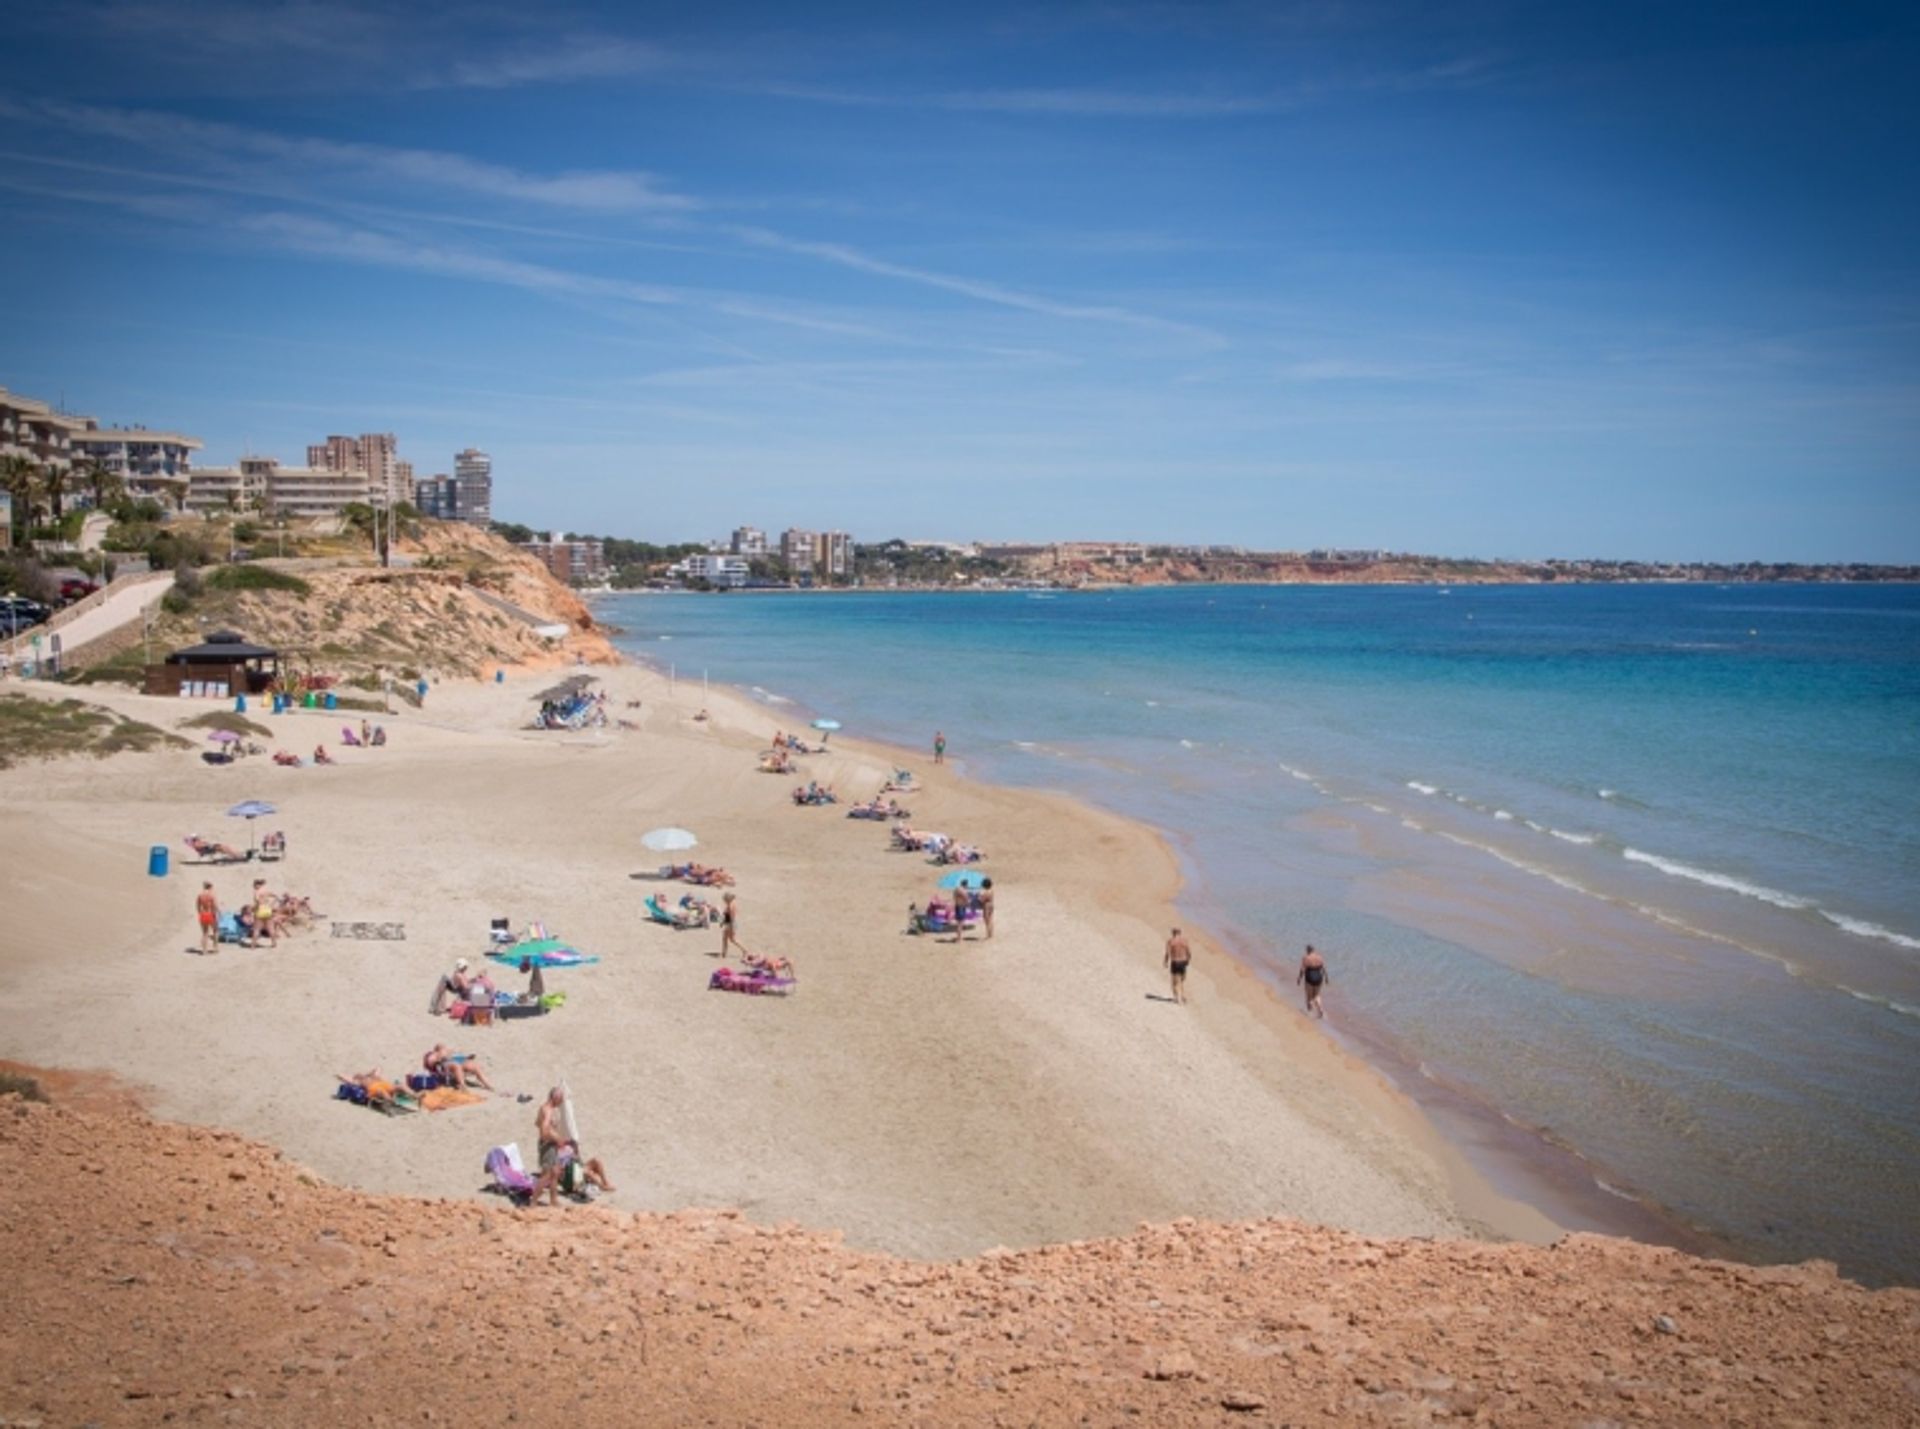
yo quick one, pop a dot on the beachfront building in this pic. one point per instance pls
(436, 498)
(473, 487)
(149, 464)
(376, 456)
(796, 551)
(581, 561)
(748, 541)
(714, 568)
(220, 490)
(35, 430)
(833, 554)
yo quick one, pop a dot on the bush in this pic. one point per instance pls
(246, 531)
(253, 577)
(26, 1088)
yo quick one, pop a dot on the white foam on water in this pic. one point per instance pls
(1861, 928)
(1886, 1002)
(663, 637)
(1379, 808)
(1616, 1191)
(1410, 824)
(1503, 816)
(1300, 774)
(1419, 788)
(1187, 744)
(1520, 863)
(1609, 793)
(1566, 837)
(1726, 882)
(1153, 704)
(770, 697)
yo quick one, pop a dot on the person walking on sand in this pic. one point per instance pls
(1177, 957)
(558, 1152)
(939, 747)
(207, 909)
(983, 900)
(263, 915)
(1313, 973)
(730, 925)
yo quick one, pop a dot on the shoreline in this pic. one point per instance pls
(1489, 1158)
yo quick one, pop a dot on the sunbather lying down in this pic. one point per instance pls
(770, 967)
(286, 757)
(698, 873)
(212, 852)
(380, 1092)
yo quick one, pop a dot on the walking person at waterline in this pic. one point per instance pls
(939, 747)
(1178, 955)
(1313, 973)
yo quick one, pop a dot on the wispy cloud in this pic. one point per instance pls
(578, 57)
(596, 190)
(979, 289)
(1089, 103)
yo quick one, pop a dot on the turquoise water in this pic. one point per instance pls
(1621, 873)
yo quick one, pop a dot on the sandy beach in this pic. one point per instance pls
(920, 1097)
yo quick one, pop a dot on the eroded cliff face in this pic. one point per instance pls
(163, 1272)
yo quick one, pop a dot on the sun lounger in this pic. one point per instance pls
(273, 847)
(658, 912)
(207, 851)
(510, 1178)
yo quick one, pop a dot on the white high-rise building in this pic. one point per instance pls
(749, 541)
(473, 487)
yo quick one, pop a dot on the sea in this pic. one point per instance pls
(1620, 882)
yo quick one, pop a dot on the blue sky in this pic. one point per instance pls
(1487, 279)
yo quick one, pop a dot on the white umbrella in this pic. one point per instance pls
(668, 840)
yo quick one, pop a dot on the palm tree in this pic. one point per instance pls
(103, 484)
(54, 484)
(20, 479)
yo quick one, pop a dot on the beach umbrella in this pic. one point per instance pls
(249, 810)
(828, 725)
(962, 878)
(546, 952)
(669, 840)
(224, 736)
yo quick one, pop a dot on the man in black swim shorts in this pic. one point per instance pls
(1177, 957)
(1313, 973)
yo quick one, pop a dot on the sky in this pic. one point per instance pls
(1636, 280)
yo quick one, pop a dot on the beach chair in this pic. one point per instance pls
(510, 1178)
(273, 847)
(349, 738)
(207, 851)
(660, 913)
(500, 933)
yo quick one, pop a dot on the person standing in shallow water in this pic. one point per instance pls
(1177, 957)
(1313, 973)
(939, 747)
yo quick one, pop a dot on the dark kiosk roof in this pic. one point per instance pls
(223, 647)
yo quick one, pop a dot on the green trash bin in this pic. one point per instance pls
(306, 700)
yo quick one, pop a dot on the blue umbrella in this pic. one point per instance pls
(250, 810)
(962, 878)
(827, 724)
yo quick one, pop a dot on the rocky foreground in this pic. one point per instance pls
(157, 1272)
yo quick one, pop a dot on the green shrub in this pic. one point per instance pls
(256, 577)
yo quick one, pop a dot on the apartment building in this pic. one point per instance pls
(714, 568)
(473, 487)
(833, 554)
(796, 550)
(437, 498)
(376, 455)
(34, 430)
(150, 464)
(261, 484)
(749, 541)
(575, 561)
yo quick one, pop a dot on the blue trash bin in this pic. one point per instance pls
(333, 700)
(499, 677)
(157, 861)
(239, 704)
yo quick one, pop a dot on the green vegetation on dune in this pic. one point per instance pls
(49, 729)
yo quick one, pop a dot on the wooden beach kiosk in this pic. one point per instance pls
(224, 665)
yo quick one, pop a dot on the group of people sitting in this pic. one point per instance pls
(698, 873)
(371, 736)
(443, 1070)
(776, 761)
(968, 908)
(879, 808)
(784, 743)
(463, 989)
(813, 793)
(262, 915)
(692, 911)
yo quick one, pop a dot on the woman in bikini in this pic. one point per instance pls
(1313, 973)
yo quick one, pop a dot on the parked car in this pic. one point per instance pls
(17, 613)
(72, 590)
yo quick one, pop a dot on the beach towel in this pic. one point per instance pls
(728, 980)
(441, 1098)
(558, 958)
